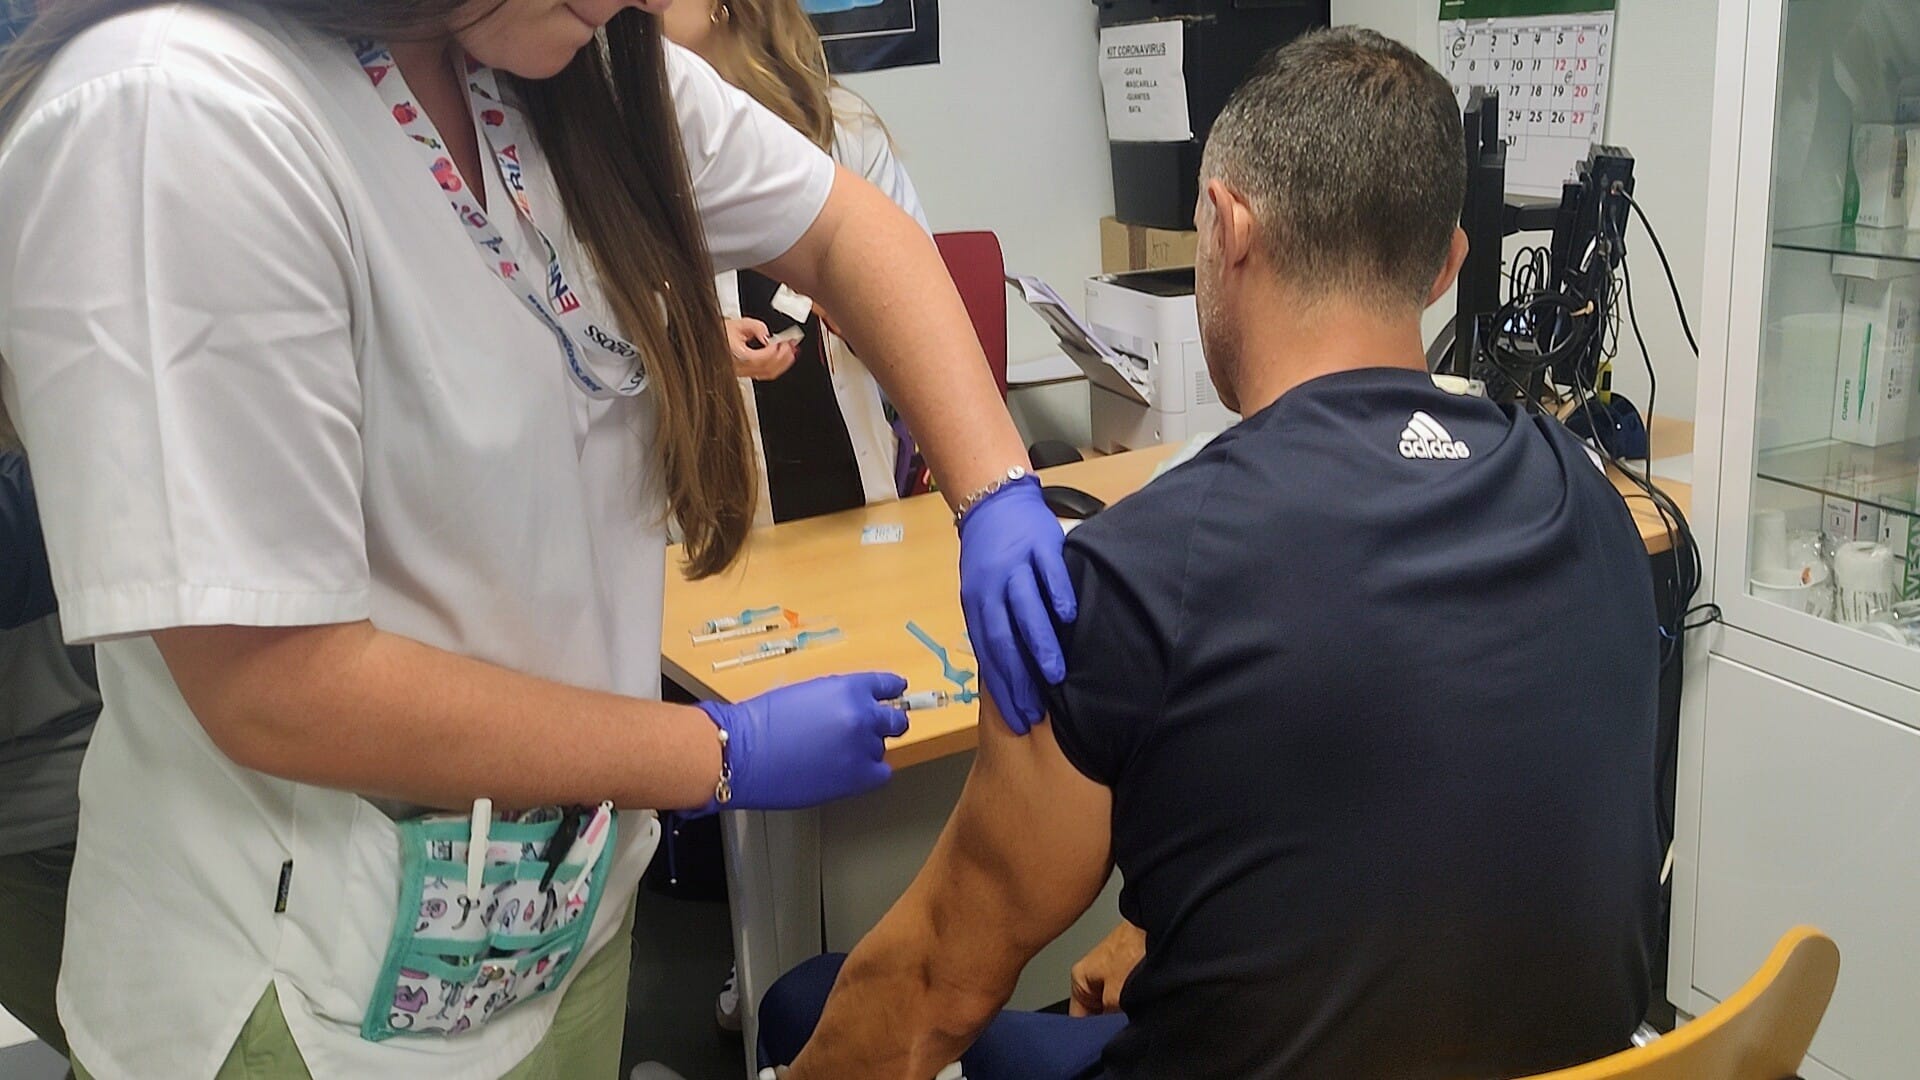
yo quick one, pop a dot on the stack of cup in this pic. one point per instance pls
(1791, 573)
(1867, 580)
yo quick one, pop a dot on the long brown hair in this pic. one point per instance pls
(608, 128)
(772, 51)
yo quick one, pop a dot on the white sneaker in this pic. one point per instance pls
(726, 1008)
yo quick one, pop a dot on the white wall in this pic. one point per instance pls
(1660, 108)
(1007, 134)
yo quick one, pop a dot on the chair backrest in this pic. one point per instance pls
(1760, 1033)
(974, 261)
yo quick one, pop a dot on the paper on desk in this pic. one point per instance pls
(1079, 340)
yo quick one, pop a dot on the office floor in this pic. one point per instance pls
(681, 952)
(32, 1061)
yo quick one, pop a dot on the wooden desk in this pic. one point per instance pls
(1668, 438)
(818, 568)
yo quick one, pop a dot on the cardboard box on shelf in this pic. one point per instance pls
(1875, 384)
(1847, 520)
(1901, 534)
(1877, 182)
(1139, 247)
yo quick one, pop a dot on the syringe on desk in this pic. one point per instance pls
(712, 628)
(768, 650)
(749, 624)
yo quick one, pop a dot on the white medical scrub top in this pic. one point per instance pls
(265, 379)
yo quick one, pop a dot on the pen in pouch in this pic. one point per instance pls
(586, 851)
(565, 837)
(477, 840)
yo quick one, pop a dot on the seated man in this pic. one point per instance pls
(1361, 700)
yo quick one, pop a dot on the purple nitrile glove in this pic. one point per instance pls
(810, 743)
(1009, 549)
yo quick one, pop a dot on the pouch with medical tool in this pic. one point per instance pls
(494, 910)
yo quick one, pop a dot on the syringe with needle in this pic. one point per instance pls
(750, 624)
(924, 700)
(768, 650)
(734, 622)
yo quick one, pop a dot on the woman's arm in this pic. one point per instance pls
(881, 275)
(873, 266)
(352, 707)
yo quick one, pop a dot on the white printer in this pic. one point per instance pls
(1140, 347)
(1150, 319)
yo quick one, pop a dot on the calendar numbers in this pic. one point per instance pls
(1551, 72)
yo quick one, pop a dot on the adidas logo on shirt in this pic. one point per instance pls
(1425, 439)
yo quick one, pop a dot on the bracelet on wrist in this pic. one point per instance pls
(723, 790)
(723, 787)
(1001, 483)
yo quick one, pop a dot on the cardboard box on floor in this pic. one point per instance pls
(1137, 247)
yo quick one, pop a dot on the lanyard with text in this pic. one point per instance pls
(600, 361)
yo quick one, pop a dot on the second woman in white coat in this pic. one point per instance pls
(821, 433)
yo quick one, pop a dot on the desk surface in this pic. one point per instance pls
(819, 568)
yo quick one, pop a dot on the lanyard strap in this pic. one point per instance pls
(601, 362)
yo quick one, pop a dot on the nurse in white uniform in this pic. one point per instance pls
(820, 429)
(360, 381)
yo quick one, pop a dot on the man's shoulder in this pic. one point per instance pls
(1153, 523)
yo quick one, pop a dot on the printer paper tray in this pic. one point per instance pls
(1100, 373)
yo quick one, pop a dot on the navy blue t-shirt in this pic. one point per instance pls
(1372, 679)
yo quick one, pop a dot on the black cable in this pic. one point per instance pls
(1653, 381)
(1688, 568)
(1679, 306)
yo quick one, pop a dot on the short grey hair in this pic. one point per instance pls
(1348, 147)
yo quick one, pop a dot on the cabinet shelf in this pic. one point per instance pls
(1900, 244)
(1887, 477)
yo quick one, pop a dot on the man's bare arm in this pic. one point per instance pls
(1025, 853)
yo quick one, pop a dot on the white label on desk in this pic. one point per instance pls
(883, 534)
(1142, 72)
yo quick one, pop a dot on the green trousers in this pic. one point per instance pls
(582, 1044)
(33, 923)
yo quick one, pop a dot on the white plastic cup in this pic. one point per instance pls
(1865, 579)
(1804, 589)
(1769, 540)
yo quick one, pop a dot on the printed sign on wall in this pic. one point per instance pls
(1143, 78)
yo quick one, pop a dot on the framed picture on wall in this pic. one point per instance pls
(868, 35)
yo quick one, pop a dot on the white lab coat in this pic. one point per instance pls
(861, 144)
(266, 379)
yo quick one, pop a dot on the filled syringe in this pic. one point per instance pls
(734, 622)
(764, 621)
(768, 650)
(923, 700)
